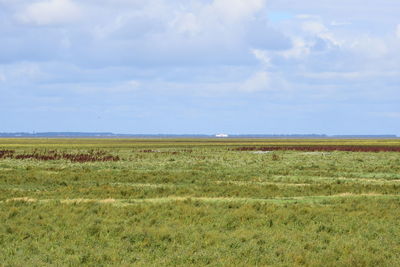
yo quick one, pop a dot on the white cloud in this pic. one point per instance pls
(370, 47)
(262, 56)
(319, 29)
(157, 33)
(103, 31)
(260, 81)
(50, 12)
(186, 23)
(236, 10)
(314, 27)
(300, 49)
(217, 16)
(2, 77)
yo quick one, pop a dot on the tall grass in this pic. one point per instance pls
(197, 202)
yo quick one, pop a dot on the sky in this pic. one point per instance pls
(200, 66)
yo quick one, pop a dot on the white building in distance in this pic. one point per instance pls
(221, 135)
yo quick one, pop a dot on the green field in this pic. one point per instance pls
(197, 202)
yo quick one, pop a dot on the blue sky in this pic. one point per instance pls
(200, 66)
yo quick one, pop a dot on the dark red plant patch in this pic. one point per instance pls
(323, 148)
(6, 154)
(91, 156)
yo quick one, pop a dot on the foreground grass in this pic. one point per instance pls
(197, 202)
(347, 232)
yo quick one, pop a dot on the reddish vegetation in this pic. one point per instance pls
(91, 156)
(6, 153)
(324, 148)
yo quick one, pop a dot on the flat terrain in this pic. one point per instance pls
(124, 202)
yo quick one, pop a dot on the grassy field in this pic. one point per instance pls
(197, 202)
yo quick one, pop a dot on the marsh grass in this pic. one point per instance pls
(199, 202)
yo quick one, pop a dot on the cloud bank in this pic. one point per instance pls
(169, 66)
